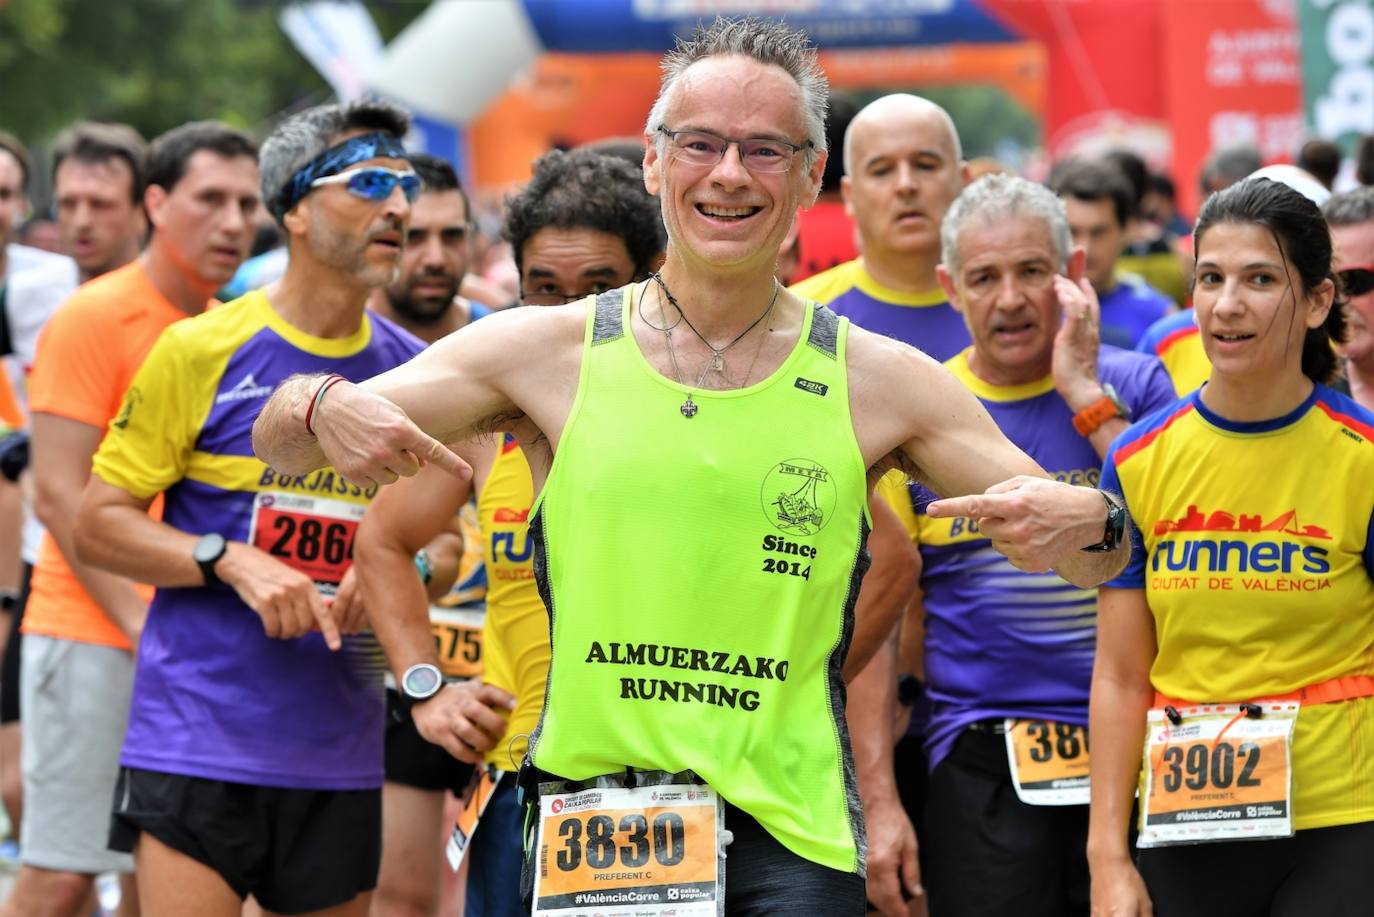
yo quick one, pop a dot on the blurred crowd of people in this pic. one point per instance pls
(327, 249)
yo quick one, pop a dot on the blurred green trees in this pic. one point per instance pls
(154, 63)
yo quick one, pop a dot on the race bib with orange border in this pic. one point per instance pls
(650, 850)
(1217, 774)
(458, 637)
(1049, 762)
(313, 535)
(485, 782)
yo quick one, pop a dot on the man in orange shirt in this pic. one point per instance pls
(81, 625)
(98, 181)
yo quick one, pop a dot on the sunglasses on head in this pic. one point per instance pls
(374, 183)
(1357, 280)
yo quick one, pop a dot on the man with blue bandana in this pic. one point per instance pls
(252, 763)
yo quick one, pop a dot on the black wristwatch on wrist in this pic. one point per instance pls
(1116, 526)
(419, 682)
(209, 549)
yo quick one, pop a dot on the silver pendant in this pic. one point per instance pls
(717, 364)
(689, 408)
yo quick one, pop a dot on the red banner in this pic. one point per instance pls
(1233, 74)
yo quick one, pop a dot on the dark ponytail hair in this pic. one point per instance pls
(1303, 239)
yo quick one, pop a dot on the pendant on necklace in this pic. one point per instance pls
(717, 364)
(689, 408)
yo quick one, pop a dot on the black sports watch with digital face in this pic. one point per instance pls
(209, 549)
(1116, 526)
(420, 682)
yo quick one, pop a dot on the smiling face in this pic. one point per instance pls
(1005, 289)
(903, 173)
(725, 216)
(1355, 248)
(207, 220)
(1250, 304)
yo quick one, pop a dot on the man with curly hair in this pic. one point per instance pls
(584, 224)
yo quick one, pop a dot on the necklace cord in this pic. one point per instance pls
(716, 351)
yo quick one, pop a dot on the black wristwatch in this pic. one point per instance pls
(419, 682)
(209, 549)
(1116, 526)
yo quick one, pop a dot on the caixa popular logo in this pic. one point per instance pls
(798, 496)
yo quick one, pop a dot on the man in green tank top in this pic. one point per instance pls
(700, 574)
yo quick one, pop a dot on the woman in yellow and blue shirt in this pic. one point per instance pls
(1252, 578)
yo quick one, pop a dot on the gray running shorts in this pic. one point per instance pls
(76, 698)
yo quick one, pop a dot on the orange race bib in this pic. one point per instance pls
(307, 533)
(650, 850)
(486, 780)
(1218, 774)
(458, 637)
(1049, 762)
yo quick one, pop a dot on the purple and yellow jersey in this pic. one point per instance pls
(213, 696)
(999, 641)
(1254, 545)
(926, 320)
(1128, 310)
(1177, 341)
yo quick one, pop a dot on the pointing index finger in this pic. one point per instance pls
(953, 506)
(324, 616)
(431, 450)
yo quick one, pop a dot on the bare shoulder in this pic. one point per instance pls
(887, 371)
(896, 393)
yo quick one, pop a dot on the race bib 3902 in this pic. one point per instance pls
(1216, 772)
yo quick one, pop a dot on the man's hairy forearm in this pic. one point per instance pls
(1089, 568)
(279, 435)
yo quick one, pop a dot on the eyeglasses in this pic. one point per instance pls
(700, 148)
(555, 298)
(1357, 280)
(374, 183)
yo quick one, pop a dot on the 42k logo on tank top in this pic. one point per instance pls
(798, 496)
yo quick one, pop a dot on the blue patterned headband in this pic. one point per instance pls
(331, 162)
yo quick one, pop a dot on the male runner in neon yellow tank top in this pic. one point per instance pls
(700, 575)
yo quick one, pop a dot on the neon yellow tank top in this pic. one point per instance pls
(701, 575)
(516, 637)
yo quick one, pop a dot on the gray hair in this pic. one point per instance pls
(307, 134)
(1350, 207)
(764, 40)
(994, 198)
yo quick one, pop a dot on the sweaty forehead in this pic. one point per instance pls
(1002, 241)
(737, 96)
(568, 254)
